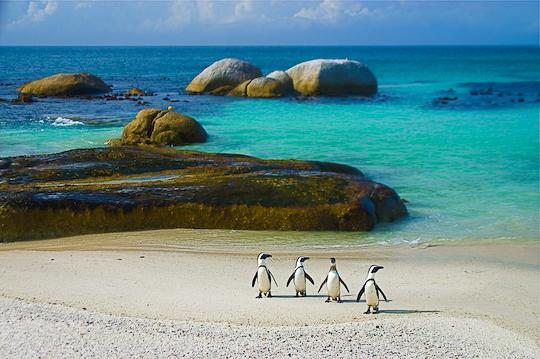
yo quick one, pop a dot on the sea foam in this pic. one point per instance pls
(62, 121)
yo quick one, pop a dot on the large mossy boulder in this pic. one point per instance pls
(161, 127)
(143, 187)
(324, 77)
(63, 85)
(222, 76)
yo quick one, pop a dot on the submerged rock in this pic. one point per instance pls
(135, 91)
(161, 127)
(136, 188)
(222, 76)
(23, 98)
(324, 77)
(65, 85)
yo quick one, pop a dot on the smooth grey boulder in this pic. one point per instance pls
(326, 77)
(222, 76)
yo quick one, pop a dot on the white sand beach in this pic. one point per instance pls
(101, 296)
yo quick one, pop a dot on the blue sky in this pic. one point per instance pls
(271, 22)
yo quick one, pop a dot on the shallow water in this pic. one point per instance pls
(469, 167)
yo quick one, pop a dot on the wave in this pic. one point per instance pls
(62, 122)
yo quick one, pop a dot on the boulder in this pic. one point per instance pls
(62, 85)
(240, 89)
(277, 86)
(224, 74)
(162, 127)
(324, 77)
(282, 77)
(132, 188)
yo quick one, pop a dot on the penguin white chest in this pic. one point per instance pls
(371, 294)
(332, 285)
(300, 280)
(264, 279)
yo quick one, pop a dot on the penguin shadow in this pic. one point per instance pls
(407, 311)
(353, 300)
(292, 296)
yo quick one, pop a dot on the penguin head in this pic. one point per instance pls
(333, 260)
(333, 264)
(262, 257)
(300, 261)
(374, 269)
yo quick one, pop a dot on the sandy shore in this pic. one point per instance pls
(97, 295)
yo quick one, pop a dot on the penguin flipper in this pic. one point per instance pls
(254, 280)
(361, 292)
(380, 290)
(271, 276)
(290, 278)
(325, 279)
(345, 285)
(309, 278)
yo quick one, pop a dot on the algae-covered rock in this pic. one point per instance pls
(65, 85)
(162, 127)
(222, 76)
(135, 188)
(324, 77)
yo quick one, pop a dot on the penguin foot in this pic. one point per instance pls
(269, 295)
(367, 311)
(296, 295)
(339, 300)
(375, 310)
(327, 300)
(258, 297)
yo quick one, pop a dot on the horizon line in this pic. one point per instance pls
(291, 45)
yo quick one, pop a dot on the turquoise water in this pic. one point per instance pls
(469, 168)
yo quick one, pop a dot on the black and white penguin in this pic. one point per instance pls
(333, 281)
(263, 276)
(372, 290)
(299, 276)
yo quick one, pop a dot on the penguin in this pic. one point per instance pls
(372, 290)
(299, 275)
(263, 276)
(333, 281)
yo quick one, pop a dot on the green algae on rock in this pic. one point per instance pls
(161, 127)
(136, 188)
(64, 85)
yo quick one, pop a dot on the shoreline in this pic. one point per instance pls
(115, 274)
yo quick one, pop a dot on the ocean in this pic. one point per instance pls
(454, 130)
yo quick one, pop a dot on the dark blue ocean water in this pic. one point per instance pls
(468, 167)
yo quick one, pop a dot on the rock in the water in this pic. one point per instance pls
(222, 76)
(65, 85)
(23, 98)
(282, 77)
(333, 78)
(268, 87)
(161, 127)
(135, 188)
(135, 91)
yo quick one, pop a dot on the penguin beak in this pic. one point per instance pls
(268, 256)
(306, 258)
